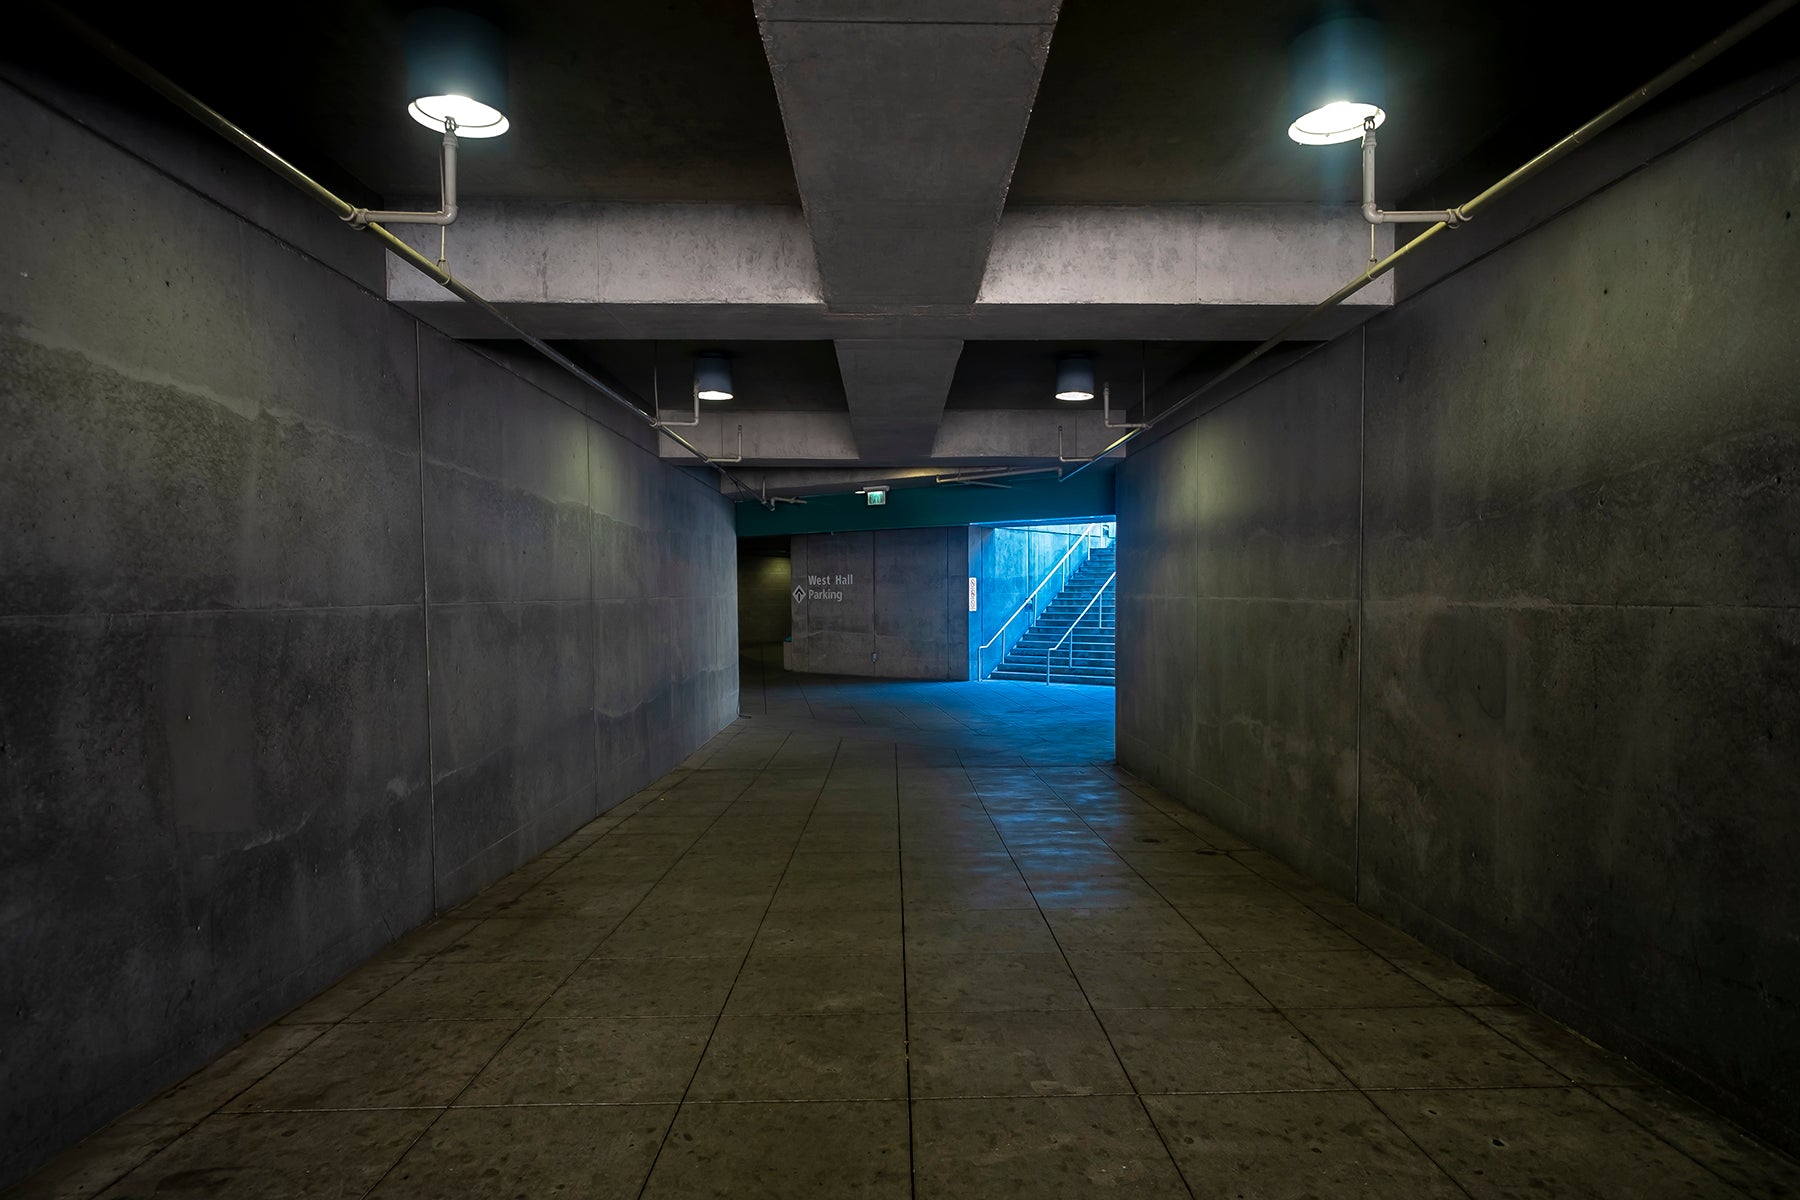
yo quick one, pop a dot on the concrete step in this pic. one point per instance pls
(1061, 664)
(1105, 678)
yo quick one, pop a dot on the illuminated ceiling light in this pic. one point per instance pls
(712, 376)
(1339, 81)
(1075, 377)
(456, 73)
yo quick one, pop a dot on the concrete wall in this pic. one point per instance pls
(1552, 732)
(1009, 562)
(765, 608)
(894, 604)
(313, 622)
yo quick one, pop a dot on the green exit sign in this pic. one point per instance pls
(877, 495)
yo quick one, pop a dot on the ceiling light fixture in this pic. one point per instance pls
(1339, 81)
(456, 73)
(456, 76)
(1075, 377)
(712, 376)
(1340, 90)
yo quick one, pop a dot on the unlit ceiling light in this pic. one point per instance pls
(712, 376)
(1075, 377)
(1339, 81)
(456, 73)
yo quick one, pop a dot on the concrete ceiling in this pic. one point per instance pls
(768, 376)
(670, 101)
(894, 214)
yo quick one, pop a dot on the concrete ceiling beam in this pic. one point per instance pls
(747, 272)
(903, 121)
(896, 388)
(965, 438)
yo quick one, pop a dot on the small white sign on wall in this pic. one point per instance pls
(971, 593)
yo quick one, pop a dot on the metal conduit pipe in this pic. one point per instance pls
(1373, 212)
(1557, 150)
(446, 213)
(213, 120)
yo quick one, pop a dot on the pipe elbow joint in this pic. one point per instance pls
(1372, 213)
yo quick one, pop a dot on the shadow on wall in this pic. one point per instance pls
(765, 581)
(314, 620)
(1485, 616)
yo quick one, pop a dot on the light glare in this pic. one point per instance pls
(1339, 121)
(473, 118)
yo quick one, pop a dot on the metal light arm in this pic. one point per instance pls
(1106, 412)
(362, 218)
(1060, 455)
(663, 423)
(1373, 212)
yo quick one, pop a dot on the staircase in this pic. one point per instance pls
(1085, 654)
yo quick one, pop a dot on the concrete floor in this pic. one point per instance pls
(892, 939)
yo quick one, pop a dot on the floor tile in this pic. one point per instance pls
(644, 987)
(277, 1156)
(529, 938)
(1567, 1053)
(1453, 983)
(854, 1056)
(598, 1152)
(593, 1060)
(1238, 930)
(829, 931)
(1217, 1050)
(1159, 928)
(855, 1151)
(1012, 1054)
(466, 991)
(990, 983)
(764, 931)
(1295, 1146)
(350, 993)
(978, 931)
(1420, 1047)
(1532, 1142)
(1332, 979)
(223, 1079)
(407, 1064)
(857, 894)
(1087, 891)
(808, 867)
(1157, 863)
(680, 935)
(98, 1161)
(1715, 1144)
(787, 984)
(1159, 979)
(425, 941)
(1042, 1148)
(945, 891)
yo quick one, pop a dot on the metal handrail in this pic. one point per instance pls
(1079, 542)
(1070, 631)
(1557, 150)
